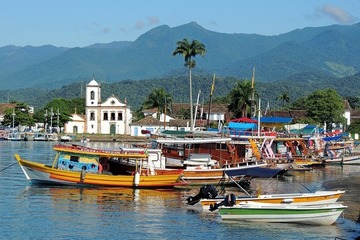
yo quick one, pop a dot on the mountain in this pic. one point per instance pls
(331, 50)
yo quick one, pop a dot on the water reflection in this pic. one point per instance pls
(42, 212)
(104, 196)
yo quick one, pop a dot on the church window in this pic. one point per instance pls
(112, 116)
(106, 117)
(92, 95)
(92, 116)
(120, 116)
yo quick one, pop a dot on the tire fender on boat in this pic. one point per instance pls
(105, 166)
(137, 179)
(100, 168)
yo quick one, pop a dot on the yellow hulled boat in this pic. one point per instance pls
(81, 168)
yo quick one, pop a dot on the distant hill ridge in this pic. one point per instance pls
(330, 51)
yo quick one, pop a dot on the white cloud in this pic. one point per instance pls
(337, 14)
(153, 20)
(140, 24)
(106, 30)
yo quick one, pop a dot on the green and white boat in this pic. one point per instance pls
(319, 214)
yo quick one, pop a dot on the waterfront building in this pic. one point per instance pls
(111, 116)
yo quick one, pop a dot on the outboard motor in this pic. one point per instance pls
(229, 201)
(206, 191)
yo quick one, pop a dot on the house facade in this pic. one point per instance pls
(175, 120)
(111, 116)
(76, 124)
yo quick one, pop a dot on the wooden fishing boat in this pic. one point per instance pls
(204, 158)
(319, 214)
(294, 149)
(348, 158)
(82, 168)
(198, 169)
(318, 197)
(214, 202)
(352, 162)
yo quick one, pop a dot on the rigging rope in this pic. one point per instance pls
(8, 166)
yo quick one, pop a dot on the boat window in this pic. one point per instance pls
(221, 146)
(74, 158)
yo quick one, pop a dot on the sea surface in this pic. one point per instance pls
(43, 212)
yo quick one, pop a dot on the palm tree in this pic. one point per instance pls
(189, 50)
(240, 98)
(284, 97)
(158, 98)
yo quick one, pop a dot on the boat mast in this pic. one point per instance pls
(211, 93)
(252, 101)
(259, 115)
(196, 108)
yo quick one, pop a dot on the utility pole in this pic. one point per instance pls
(46, 113)
(13, 118)
(58, 116)
(51, 117)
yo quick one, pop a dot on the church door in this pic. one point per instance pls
(112, 129)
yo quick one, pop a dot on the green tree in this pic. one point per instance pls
(354, 127)
(299, 104)
(60, 109)
(284, 97)
(138, 114)
(183, 113)
(18, 116)
(354, 102)
(240, 98)
(189, 50)
(158, 98)
(325, 106)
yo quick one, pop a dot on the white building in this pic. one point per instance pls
(75, 125)
(111, 116)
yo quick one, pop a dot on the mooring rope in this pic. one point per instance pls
(8, 166)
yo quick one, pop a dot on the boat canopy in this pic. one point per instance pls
(334, 138)
(242, 126)
(254, 172)
(283, 120)
(244, 120)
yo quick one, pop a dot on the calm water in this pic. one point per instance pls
(34, 212)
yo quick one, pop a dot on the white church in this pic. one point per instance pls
(111, 116)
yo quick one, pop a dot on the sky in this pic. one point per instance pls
(80, 23)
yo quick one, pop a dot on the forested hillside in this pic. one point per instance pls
(331, 50)
(135, 92)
